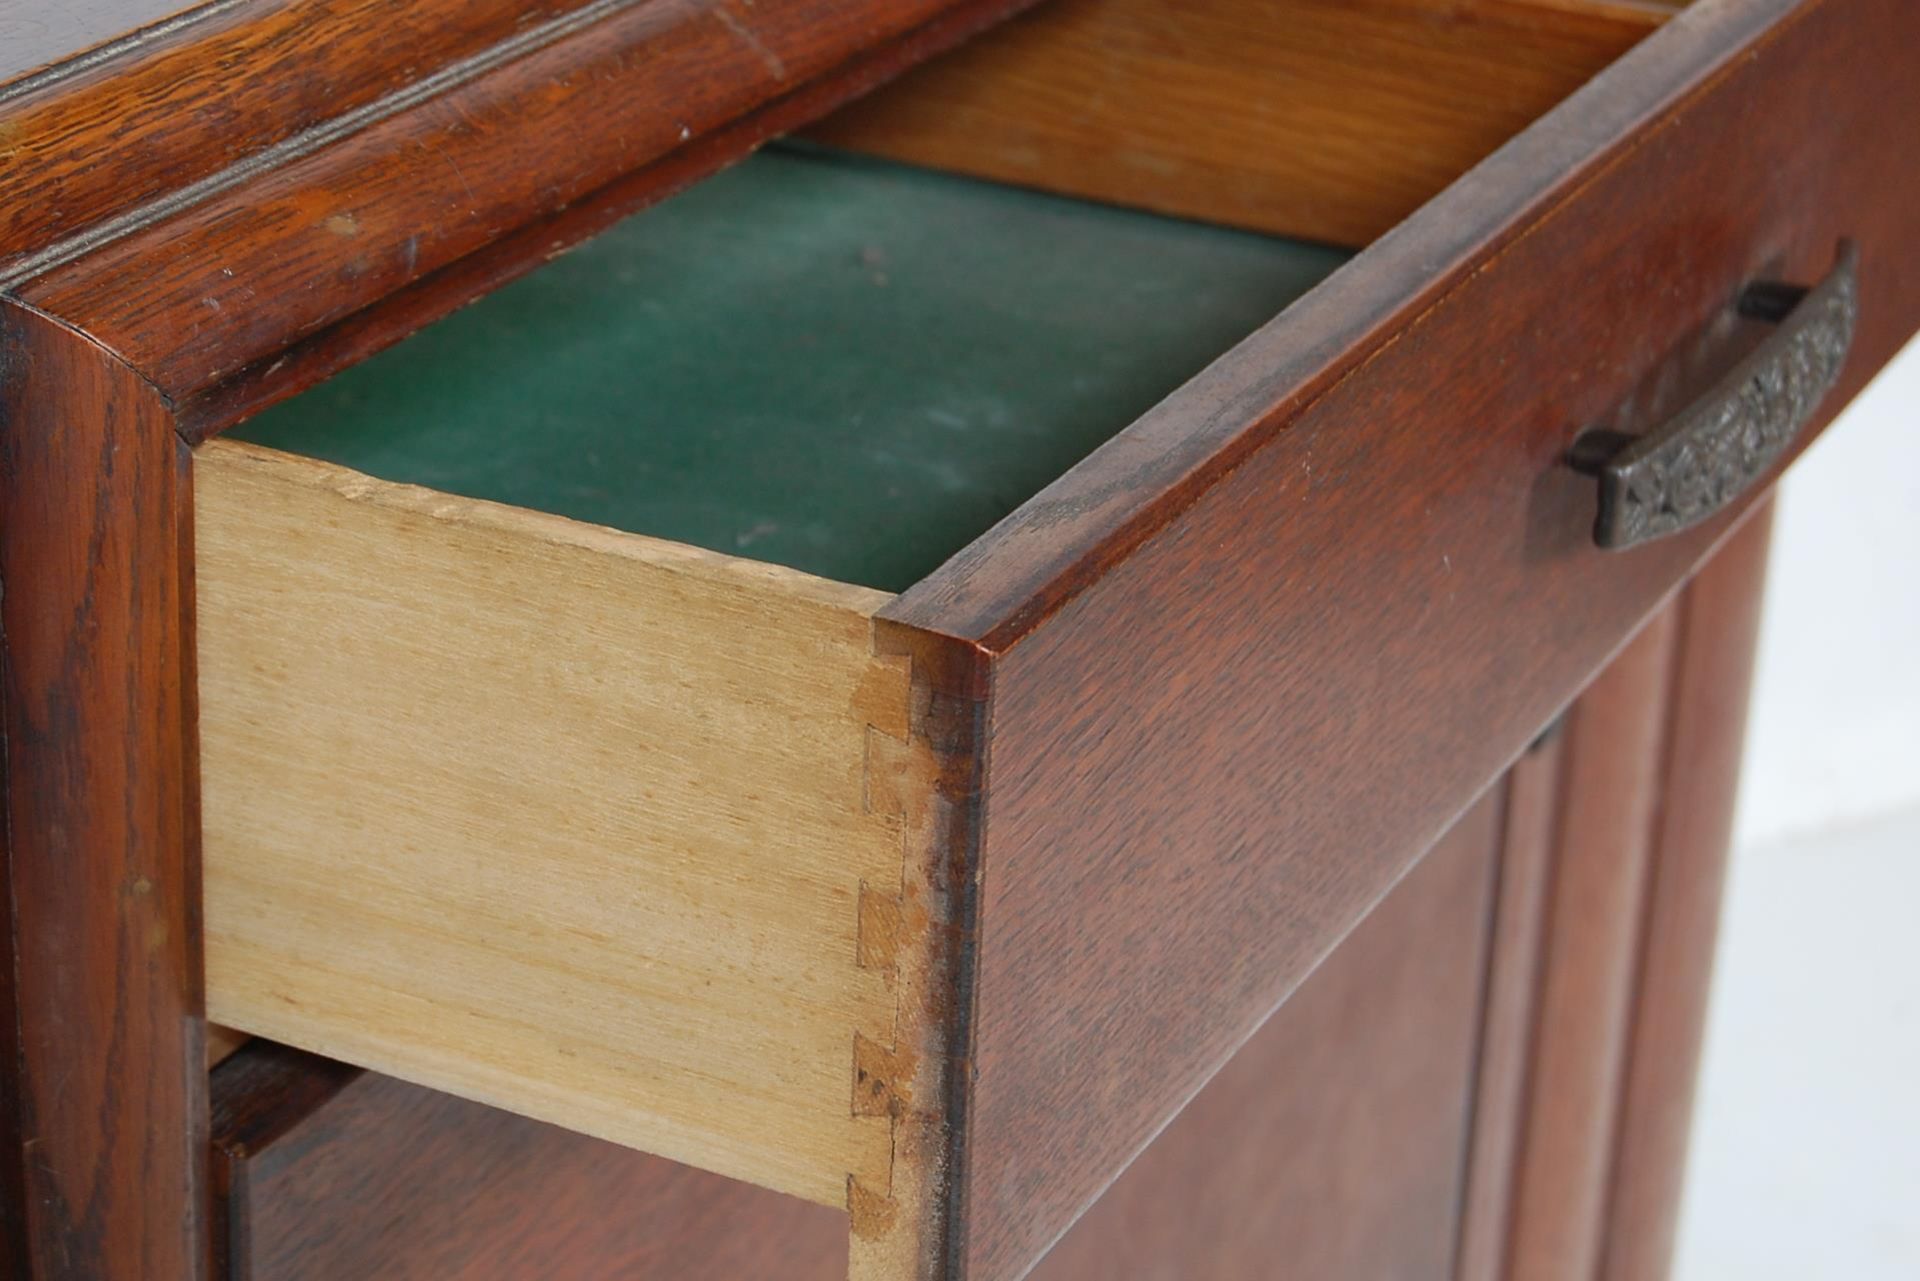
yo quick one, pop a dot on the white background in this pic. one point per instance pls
(1806, 1147)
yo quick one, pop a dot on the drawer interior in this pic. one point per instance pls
(551, 753)
(841, 365)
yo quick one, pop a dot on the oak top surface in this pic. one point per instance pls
(844, 366)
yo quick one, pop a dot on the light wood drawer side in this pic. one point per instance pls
(564, 820)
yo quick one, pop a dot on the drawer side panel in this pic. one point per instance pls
(566, 821)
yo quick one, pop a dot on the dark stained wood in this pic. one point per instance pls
(1202, 702)
(1719, 620)
(157, 112)
(1612, 761)
(103, 1069)
(1247, 659)
(1662, 184)
(1511, 1003)
(1586, 1071)
(327, 1172)
(517, 156)
(1330, 1147)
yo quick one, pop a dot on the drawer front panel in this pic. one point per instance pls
(1246, 660)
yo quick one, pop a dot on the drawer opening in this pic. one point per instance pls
(553, 754)
(550, 753)
(841, 365)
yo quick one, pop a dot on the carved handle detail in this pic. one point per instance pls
(1704, 457)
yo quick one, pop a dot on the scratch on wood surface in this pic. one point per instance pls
(771, 60)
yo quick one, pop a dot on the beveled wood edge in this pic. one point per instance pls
(1032, 563)
(222, 338)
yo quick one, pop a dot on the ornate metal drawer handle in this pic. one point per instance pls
(1701, 459)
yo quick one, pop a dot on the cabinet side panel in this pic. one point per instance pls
(567, 821)
(102, 1060)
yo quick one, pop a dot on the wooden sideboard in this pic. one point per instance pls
(1124, 657)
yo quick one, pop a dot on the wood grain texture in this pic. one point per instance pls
(103, 1075)
(1719, 621)
(1653, 179)
(1525, 878)
(569, 821)
(1587, 1061)
(445, 188)
(328, 1172)
(1325, 119)
(1612, 761)
(155, 115)
(1248, 657)
(1330, 1146)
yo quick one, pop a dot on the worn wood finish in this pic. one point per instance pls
(440, 195)
(1330, 1146)
(571, 821)
(1325, 119)
(1364, 513)
(1719, 621)
(103, 1069)
(157, 113)
(328, 1172)
(1612, 760)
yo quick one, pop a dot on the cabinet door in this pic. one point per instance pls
(1490, 1077)
(1330, 1146)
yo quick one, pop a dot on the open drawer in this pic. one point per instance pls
(876, 684)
